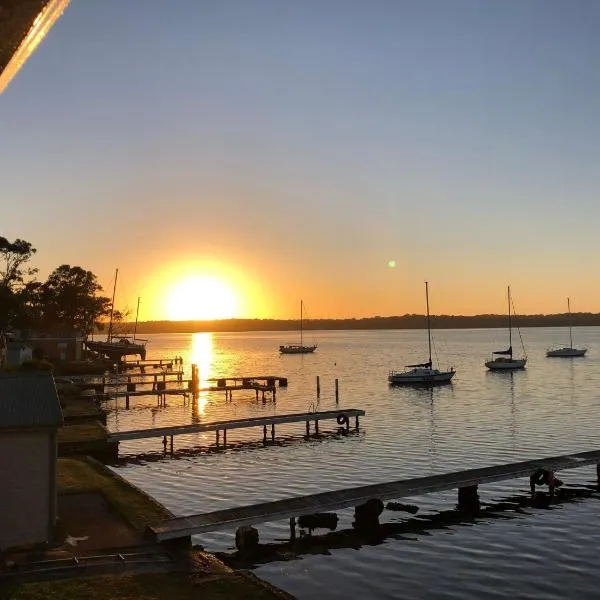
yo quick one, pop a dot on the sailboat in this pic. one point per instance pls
(502, 360)
(114, 348)
(423, 373)
(300, 348)
(570, 351)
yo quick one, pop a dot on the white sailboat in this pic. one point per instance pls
(423, 373)
(569, 351)
(116, 349)
(300, 348)
(502, 360)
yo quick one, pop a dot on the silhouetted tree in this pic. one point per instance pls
(68, 300)
(13, 258)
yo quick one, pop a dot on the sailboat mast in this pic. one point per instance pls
(570, 332)
(301, 306)
(137, 313)
(428, 323)
(509, 324)
(112, 308)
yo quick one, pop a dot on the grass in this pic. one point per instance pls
(93, 431)
(150, 587)
(81, 475)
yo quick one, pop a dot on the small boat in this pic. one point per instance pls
(423, 373)
(502, 360)
(569, 351)
(116, 348)
(300, 348)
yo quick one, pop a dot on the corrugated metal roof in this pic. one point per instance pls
(29, 400)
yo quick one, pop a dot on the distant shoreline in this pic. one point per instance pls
(370, 323)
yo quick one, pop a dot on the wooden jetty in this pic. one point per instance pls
(289, 508)
(157, 363)
(160, 381)
(341, 416)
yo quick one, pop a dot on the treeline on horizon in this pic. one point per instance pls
(395, 322)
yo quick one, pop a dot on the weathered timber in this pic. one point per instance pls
(355, 496)
(272, 420)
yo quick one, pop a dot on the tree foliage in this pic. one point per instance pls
(68, 300)
(14, 257)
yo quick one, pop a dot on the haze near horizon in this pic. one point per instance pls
(231, 158)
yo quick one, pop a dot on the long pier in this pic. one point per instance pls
(342, 417)
(466, 480)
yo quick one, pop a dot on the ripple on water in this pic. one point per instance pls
(483, 418)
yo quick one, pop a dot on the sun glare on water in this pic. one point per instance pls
(201, 298)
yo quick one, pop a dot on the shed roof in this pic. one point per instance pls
(29, 400)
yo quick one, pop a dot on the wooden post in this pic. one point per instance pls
(165, 443)
(274, 390)
(598, 473)
(318, 387)
(127, 401)
(337, 391)
(264, 434)
(171, 443)
(356, 422)
(224, 438)
(307, 428)
(292, 529)
(272, 432)
(316, 427)
(217, 432)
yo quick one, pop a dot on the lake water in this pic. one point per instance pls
(482, 418)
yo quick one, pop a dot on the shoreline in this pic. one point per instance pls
(122, 513)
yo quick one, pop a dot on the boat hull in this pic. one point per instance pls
(421, 376)
(506, 364)
(566, 352)
(297, 349)
(117, 350)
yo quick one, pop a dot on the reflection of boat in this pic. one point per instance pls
(503, 359)
(570, 351)
(117, 348)
(422, 373)
(298, 348)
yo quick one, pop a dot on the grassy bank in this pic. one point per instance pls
(212, 581)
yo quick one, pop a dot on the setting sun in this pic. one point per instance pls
(201, 298)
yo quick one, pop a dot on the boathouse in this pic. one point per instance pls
(30, 415)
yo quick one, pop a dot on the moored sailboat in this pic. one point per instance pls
(300, 348)
(116, 348)
(567, 352)
(502, 360)
(423, 373)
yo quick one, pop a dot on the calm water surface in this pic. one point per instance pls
(481, 419)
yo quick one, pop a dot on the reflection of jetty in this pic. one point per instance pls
(465, 481)
(341, 416)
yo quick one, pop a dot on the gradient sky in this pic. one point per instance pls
(295, 148)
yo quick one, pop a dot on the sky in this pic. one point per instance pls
(238, 156)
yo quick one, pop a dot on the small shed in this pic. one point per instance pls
(30, 415)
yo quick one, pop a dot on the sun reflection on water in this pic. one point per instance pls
(201, 354)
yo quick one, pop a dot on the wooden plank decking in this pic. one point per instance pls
(338, 499)
(137, 434)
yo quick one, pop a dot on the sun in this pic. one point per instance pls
(201, 298)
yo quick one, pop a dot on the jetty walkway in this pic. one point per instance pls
(342, 417)
(464, 481)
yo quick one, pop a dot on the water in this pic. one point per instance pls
(483, 418)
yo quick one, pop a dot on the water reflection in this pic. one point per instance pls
(202, 355)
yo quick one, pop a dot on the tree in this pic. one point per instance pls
(14, 256)
(68, 300)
